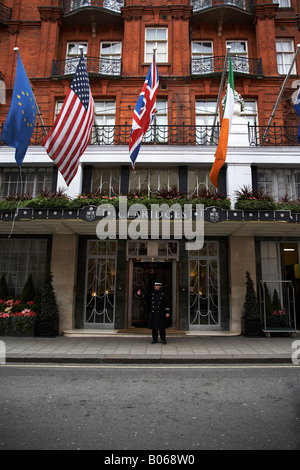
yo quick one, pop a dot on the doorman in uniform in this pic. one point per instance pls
(159, 312)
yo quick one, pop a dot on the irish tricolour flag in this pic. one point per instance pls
(220, 155)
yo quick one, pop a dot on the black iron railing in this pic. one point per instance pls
(179, 135)
(199, 5)
(5, 13)
(72, 5)
(273, 135)
(97, 65)
(172, 135)
(215, 64)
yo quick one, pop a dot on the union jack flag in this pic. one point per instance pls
(144, 111)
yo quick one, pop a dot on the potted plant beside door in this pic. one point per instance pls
(251, 320)
(49, 314)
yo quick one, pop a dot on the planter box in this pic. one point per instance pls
(47, 328)
(17, 327)
(252, 327)
(4, 326)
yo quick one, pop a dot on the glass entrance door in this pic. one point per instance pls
(144, 277)
(289, 256)
(150, 261)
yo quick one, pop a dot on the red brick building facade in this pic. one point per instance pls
(190, 38)
(42, 33)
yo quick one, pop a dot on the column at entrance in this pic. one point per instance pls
(63, 267)
(241, 259)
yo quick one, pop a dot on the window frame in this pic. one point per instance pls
(25, 183)
(150, 179)
(104, 132)
(156, 42)
(108, 61)
(291, 188)
(73, 59)
(284, 65)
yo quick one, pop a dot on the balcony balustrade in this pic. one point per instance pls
(273, 136)
(5, 13)
(215, 64)
(95, 65)
(180, 135)
(72, 5)
(199, 5)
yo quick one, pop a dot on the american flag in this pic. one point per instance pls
(72, 129)
(144, 111)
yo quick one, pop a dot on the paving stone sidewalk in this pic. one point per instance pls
(117, 348)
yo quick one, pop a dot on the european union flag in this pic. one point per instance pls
(297, 109)
(20, 121)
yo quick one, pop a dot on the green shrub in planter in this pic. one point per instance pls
(247, 199)
(251, 317)
(28, 292)
(49, 313)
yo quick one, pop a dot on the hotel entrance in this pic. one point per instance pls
(144, 277)
(148, 262)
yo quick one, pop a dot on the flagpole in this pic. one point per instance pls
(280, 94)
(38, 112)
(221, 84)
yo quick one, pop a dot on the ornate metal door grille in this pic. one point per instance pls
(204, 292)
(100, 284)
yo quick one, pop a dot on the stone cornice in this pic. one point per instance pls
(49, 13)
(178, 12)
(267, 10)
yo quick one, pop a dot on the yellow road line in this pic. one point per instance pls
(153, 366)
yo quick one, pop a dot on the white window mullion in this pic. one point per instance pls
(156, 38)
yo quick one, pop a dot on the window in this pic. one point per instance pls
(236, 3)
(239, 56)
(73, 55)
(107, 181)
(250, 112)
(205, 114)
(110, 58)
(156, 38)
(32, 183)
(18, 259)
(283, 3)
(105, 122)
(279, 183)
(198, 179)
(58, 106)
(152, 180)
(114, 5)
(80, 3)
(202, 57)
(158, 130)
(265, 181)
(285, 54)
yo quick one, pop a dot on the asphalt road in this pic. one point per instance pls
(149, 407)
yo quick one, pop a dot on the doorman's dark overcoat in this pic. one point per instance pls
(158, 309)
